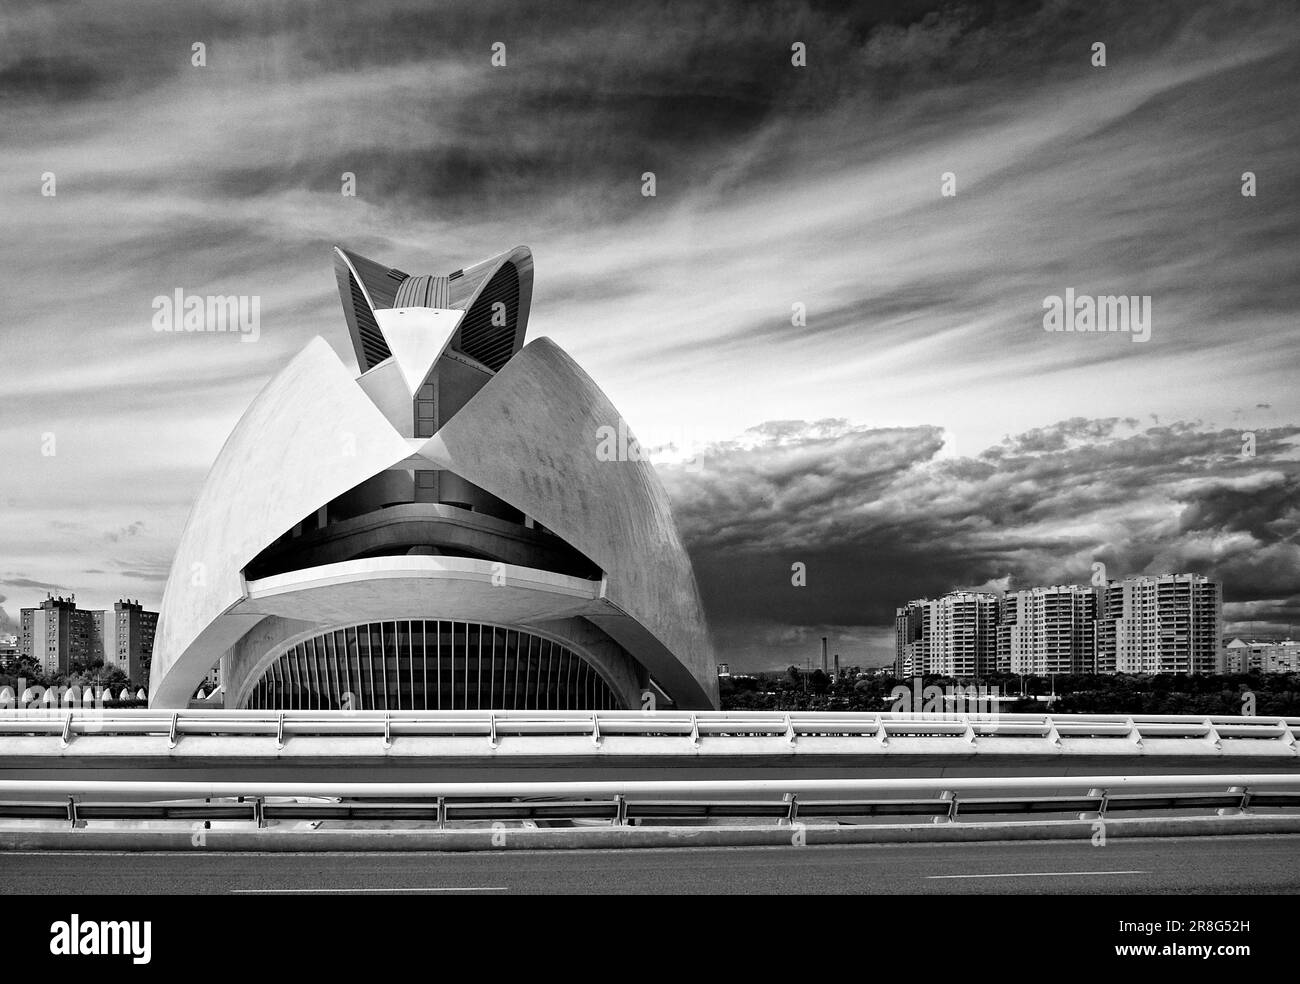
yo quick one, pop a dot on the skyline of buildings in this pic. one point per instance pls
(56, 634)
(1168, 623)
(1039, 630)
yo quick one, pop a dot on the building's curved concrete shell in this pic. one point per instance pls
(457, 481)
(543, 417)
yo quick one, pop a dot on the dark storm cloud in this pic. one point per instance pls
(51, 78)
(878, 518)
(592, 94)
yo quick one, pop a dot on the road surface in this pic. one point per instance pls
(1263, 864)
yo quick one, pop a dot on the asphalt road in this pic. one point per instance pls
(1186, 866)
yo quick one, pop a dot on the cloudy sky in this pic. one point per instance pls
(921, 431)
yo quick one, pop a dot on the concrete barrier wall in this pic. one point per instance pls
(626, 838)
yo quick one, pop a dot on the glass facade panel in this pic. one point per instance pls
(431, 665)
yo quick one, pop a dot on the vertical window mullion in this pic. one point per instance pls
(303, 672)
(332, 671)
(514, 702)
(347, 672)
(526, 656)
(290, 680)
(550, 659)
(314, 666)
(361, 681)
(370, 668)
(383, 663)
(292, 665)
(340, 664)
(308, 686)
(397, 654)
(561, 699)
(478, 686)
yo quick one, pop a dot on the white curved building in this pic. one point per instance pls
(436, 533)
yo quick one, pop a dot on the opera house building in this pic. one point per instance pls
(437, 532)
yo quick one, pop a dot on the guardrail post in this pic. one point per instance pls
(1134, 735)
(1212, 733)
(595, 730)
(1053, 735)
(72, 812)
(171, 737)
(969, 737)
(1101, 808)
(442, 812)
(67, 730)
(951, 797)
(789, 730)
(1234, 811)
(492, 731)
(882, 734)
(388, 731)
(259, 817)
(1288, 736)
(695, 731)
(792, 814)
(620, 807)
(279, 731)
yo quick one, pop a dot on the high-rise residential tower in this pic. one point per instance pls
(1048, 630)
(1169, 623)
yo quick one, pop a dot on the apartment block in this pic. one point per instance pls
(963, 634)
(1048, 630)
(1262, 657)
(57, 634)
(1169, 623)
(911, 638)
(126, 638)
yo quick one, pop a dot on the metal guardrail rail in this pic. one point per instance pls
(628, 802)
(674, 730)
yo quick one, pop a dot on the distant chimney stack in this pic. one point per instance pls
(824, 666)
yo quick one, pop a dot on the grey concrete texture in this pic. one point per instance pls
(614, 838)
